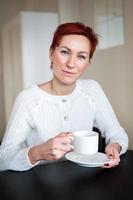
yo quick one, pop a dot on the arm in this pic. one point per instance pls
(115, 136)
(13, 154)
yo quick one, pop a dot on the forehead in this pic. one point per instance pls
(75, 42)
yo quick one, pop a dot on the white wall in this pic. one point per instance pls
(36, 31)
(69, 10)
(26, 40)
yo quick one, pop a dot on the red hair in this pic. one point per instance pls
(76, 28)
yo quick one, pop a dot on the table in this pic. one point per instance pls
(66, 180)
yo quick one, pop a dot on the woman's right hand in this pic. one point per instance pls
(53, 149)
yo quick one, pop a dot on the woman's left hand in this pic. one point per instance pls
(113, 152)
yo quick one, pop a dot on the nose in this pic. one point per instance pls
(71, 62)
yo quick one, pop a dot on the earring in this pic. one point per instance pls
(51, 65)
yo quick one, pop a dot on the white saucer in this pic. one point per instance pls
(90, 160)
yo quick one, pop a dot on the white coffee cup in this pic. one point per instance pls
(85, 141)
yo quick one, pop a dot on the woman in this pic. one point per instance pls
(44, 115)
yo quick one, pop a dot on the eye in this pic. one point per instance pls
(81, 57)
(64, 52)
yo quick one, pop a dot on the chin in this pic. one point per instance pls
(66, 80)
(69, 82)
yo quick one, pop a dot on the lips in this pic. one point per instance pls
(68, 73)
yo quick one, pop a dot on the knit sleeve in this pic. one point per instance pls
(13, 153)
(106, 119)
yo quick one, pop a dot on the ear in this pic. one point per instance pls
(50, 54)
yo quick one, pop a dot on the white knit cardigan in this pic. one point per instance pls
(38, 116)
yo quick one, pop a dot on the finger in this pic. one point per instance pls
(116, 157)
(64, 134)
(112, 164)
(107, 165)
(62, 145)
(112, 153)
(64, 139)
(57, 154)
(65, 147)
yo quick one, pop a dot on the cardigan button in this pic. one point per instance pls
(64, 100)
(65, 118)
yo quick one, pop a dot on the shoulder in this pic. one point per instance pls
(28, 95)
(89, 85)
(93, 90)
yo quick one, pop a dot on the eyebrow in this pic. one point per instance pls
(70, 50)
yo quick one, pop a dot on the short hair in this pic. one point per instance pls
(75, 28)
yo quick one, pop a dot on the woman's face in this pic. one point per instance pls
(70, 58)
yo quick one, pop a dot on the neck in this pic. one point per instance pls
(58, 88)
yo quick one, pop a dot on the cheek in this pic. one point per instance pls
(83, 67)
(58, 58)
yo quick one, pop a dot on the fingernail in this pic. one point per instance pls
(70, 146)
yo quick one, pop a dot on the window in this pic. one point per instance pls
(108, 20)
